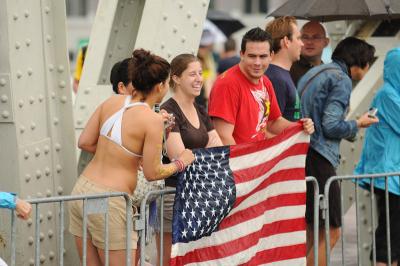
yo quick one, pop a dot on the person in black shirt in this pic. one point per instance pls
(314, 38)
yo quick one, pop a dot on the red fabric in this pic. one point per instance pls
(246, 105)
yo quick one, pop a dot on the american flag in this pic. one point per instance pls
(243, 204)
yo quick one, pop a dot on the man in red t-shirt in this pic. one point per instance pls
(242, 102)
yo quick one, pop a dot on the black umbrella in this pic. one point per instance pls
(224, 21)
(330, 10)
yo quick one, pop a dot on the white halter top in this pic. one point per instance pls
(114, 123)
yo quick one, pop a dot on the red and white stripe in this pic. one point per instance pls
(266, 225)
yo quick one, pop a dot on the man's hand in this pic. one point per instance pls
(308, 125)
(23, 209)
(365, 120)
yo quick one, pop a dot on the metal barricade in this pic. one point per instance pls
(142, 224)
(325, 209)
(92, 204)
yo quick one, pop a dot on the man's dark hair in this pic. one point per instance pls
(354, 52)
(256, 35)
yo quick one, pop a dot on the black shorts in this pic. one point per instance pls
(320, 168)
(380, 233)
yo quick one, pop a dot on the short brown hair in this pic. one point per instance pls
(279, 28)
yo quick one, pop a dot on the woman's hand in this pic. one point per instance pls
(186, 157)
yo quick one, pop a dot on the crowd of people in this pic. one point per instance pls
(278, 80)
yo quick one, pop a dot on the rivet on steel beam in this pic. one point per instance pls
(15, 16)
(51, 255)
(47, 9)
(47, 172)
(61, 84)
(48, 38)
(4, 98)
(26, 13)
(60, 69)
(30, 241)
(19, 74)
(79, 121)
(26, 155)
(125, 24)
(169, 54)
(41, 215)
(82, 106)
(180, 5)
(31, 100)
(204, 3)
(63, 99)
(51, 67)
(109, 55)
(22, 129)
(46, 149)
(2, 82)
(40, 97)
(189, 15)
(195, 24)
(87, 90)
(37, 152)
(174, 29)
(162, 45)
(55, 121)
(119, 47)
(29, 71)
(29, 221)
(53, 95)
(27, 178)
(5, 114)
(17, 45)
(183, 39)
(49, 216)
(41, 236)
(57, 146)
(60, 190)
(31, 262)
(122, 6)
(58, 168)
(38, 174)
(115, 29)
(28, 42)
(165, 16)
(42, 259)
(33, 125)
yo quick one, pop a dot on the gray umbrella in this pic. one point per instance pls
(330, 10)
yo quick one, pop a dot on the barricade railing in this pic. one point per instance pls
(92, 204)
(317, 199)
(142, 224)
(325, 209)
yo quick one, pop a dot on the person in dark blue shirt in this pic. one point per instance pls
(230, 57)
(287, 47)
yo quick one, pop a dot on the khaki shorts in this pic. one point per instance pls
(95, 222)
